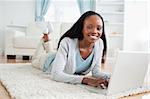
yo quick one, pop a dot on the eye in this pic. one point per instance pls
(99, 28)
(89, 27)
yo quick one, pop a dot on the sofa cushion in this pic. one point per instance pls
(36, 29)
(26, 42)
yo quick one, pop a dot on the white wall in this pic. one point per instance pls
(136, 25)
(1, 26)
(15, 12)
(148, 11)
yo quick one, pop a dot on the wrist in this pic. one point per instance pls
(85, 81)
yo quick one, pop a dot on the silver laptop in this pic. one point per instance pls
(128, 73)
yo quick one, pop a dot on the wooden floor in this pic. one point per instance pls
(3, 92)
(5, 95)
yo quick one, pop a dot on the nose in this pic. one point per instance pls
(95, 30)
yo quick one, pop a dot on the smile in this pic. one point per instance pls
(93, 36)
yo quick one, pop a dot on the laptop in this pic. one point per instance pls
(128, 73)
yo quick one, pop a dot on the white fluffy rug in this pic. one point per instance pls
(25, 82)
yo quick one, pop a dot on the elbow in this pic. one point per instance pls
(55, 76)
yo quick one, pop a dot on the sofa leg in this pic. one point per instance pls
(25, 57)
(11, 56)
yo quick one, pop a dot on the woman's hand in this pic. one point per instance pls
(103, 83)
(95, 82)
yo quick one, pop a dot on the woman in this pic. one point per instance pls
(80, 51)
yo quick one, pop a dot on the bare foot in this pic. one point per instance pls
(45, 37)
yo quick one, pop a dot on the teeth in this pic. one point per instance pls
(93, 37)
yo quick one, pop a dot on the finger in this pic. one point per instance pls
(101, 81)
(106, 83)
(93, 84)
(103, 86)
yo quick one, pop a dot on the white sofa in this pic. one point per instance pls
(25, 43)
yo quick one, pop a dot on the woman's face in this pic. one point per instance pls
(92, 28)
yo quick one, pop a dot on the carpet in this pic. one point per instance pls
(22, 81)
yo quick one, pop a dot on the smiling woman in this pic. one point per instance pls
(80, 51)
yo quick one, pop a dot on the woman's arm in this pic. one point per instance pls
(100, 75)
(96, 70)
(59, 63)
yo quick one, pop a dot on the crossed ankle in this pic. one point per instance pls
(45, 40)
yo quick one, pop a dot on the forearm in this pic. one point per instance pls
(67, 78)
